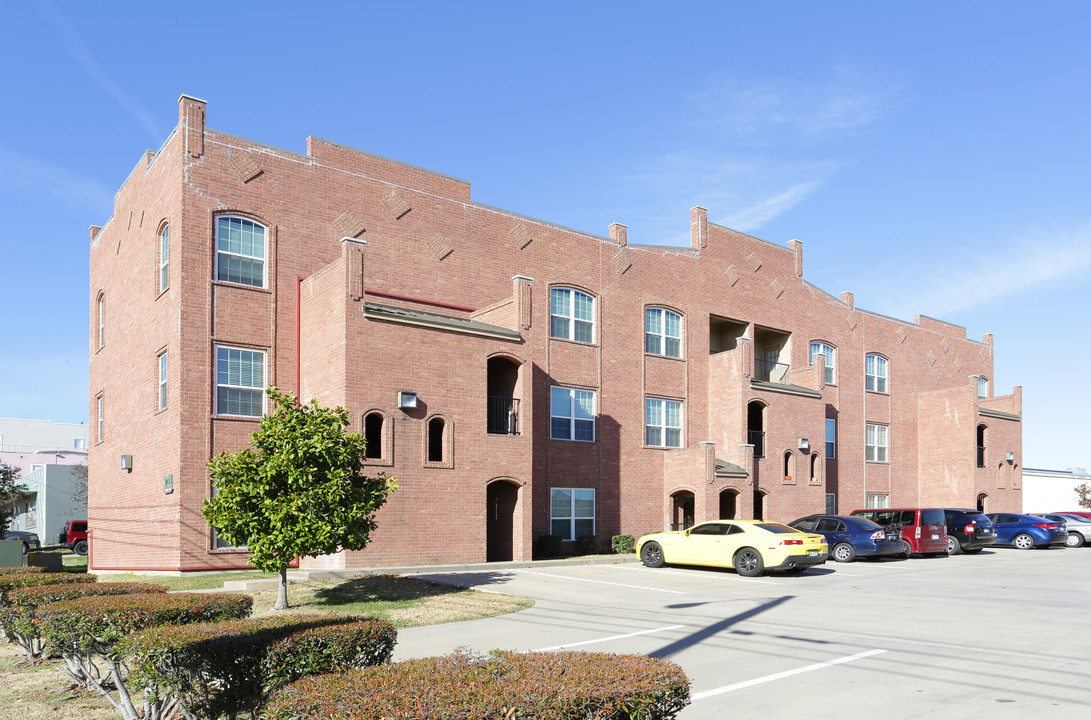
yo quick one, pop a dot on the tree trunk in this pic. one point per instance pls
(282, 591)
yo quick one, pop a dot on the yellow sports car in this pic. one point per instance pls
(749, 546)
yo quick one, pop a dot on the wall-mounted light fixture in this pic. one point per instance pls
(804, 444)
(407, 400)
(127, 462)
(1011, 456)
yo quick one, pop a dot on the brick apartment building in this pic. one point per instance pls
(518, 378)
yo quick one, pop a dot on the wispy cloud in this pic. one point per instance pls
(25, 175)
(70, 40)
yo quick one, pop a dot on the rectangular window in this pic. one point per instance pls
(831, 439)
(162, 381)
(878, 501)
(821, 348)
(101, 320)
(982, 388)
(875, 373)
(99, 430)
(831, 503)
(662, 423)
(240, 251)
(571, 512)
(240, 382)
(571, 414)
(164, 257)
(876, 445)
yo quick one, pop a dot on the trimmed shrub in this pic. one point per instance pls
(213, 669)
(503, 685)
(547, 546)
(587, 545)
(22, 570)
(17, 617)
(623, 544)
(14, 581)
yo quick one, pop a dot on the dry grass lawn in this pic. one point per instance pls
(41, 692)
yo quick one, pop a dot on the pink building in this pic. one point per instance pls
(517, 377)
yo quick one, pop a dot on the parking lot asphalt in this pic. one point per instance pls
(1001, 634)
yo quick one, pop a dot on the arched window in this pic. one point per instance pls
(571, 315)
(662, 332)
(788, 466)
(982, 388)
(101, 319)
(240, 251)
(981, 446)
(373, 435)
(821, 348)
(164, 257)
(875, 373)
(436, 432)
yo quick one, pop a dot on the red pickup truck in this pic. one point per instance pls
(74, 536)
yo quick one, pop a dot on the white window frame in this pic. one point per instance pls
(659, 337)
(819, 347)
(161, 362)
(101, 319)
(982, 388)
(657, 419)
(164, 257)
(99, 426)
(222, 223)
(831, 439)
(217, 385)
(569, 515)
(877, 501)
(875, 373)
(576, 316)
(877, 443)
(570, 405)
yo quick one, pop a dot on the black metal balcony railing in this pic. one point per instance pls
(981, 456)
(771, 371)
(757, 439)
(503, 415)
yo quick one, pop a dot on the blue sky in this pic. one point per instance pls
(932, 157)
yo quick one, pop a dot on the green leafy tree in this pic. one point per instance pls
(10, 489)
(298, 491)
(1084, 491)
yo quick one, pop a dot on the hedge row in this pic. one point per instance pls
(14, 581)
(226, 668)
(503, 685)
(22, 570)
(18, 617)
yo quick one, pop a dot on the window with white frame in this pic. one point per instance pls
(831, 439)
(821, 348)
(162, 362)
(876, 444)
(571, 512)
(662, 422)
(240, 382)
(164, 257)
(571, 414)
(101, 319)
(982, 388)
(240, 251)
(877, 501)
(662, 332)
(99, 425)
(571, 315)
(875, 373)
(79, 444)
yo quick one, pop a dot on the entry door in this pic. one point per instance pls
(500, 498)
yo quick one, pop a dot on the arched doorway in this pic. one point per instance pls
(682, 510)
(759, 505)
(729, 503)
(981, 502)
(501, 497)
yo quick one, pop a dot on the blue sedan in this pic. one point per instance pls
(1027, 531)
(850, 537)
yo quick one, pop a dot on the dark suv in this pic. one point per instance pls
(968, 531)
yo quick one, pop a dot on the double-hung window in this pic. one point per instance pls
(662, 422)
(875, 373)
(662, 332)
(571, 512)
(164, 257)
(571, 315)
(571, 414)
(876, 443)
(240, 251)
(982, 388)
(162, 381)
(831, 439)
(240, 382)
(821, 348)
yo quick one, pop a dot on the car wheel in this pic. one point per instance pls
(907, 550)
(843, 552)
(652, 555)
(80, 548)
(1074, 539)
(748, 562)
(1023, 541)
(953, 545)
(971, 551)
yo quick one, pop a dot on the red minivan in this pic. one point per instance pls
(924, 530)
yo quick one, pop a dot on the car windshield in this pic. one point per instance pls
(979, 518)
(775, 527)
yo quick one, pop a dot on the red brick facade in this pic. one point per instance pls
(378, 277)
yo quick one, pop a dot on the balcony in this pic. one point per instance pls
(757, 439)
(773, 372)
(503, 416)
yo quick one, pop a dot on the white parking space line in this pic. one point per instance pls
(693, 573)
(607, 639)
(599, 582)
(777, 676)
